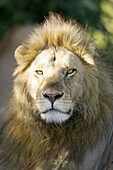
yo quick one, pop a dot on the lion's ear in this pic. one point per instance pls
(89, 59)
(20, 54)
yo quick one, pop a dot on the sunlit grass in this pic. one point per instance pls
(107, 7)
(98, 38)
(108, 23)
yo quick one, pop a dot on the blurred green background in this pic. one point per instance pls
(96, 14)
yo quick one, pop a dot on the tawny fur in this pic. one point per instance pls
(27, 142)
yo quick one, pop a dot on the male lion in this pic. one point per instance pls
(60, 114)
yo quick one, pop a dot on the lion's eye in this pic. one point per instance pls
(70, 72)
(39, 72)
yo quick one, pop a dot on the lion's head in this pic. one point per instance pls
(61, 108)
(58, 74)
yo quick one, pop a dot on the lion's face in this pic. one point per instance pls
(55, 82)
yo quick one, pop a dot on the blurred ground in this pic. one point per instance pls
(13, 38)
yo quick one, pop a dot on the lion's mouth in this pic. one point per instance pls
(57, 116)
(57, 111)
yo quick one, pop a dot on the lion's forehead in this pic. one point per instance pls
(53, 58)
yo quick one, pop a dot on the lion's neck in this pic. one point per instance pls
(38, 140)
(65, 143)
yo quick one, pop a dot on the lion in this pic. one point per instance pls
(60, 113)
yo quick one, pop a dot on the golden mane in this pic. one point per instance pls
(55, 32)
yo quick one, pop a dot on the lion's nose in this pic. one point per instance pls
(53, 96)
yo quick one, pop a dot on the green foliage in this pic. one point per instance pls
(97, 14)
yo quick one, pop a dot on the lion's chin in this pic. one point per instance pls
(55, 116)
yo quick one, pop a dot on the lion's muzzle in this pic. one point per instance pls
(59, 111)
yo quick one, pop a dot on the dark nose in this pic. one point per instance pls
(53, 96)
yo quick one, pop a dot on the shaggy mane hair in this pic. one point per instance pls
(26, 141)
(55, 32)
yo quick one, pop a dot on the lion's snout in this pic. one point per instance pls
(58, 111)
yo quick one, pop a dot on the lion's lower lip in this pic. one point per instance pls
(57, 111)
